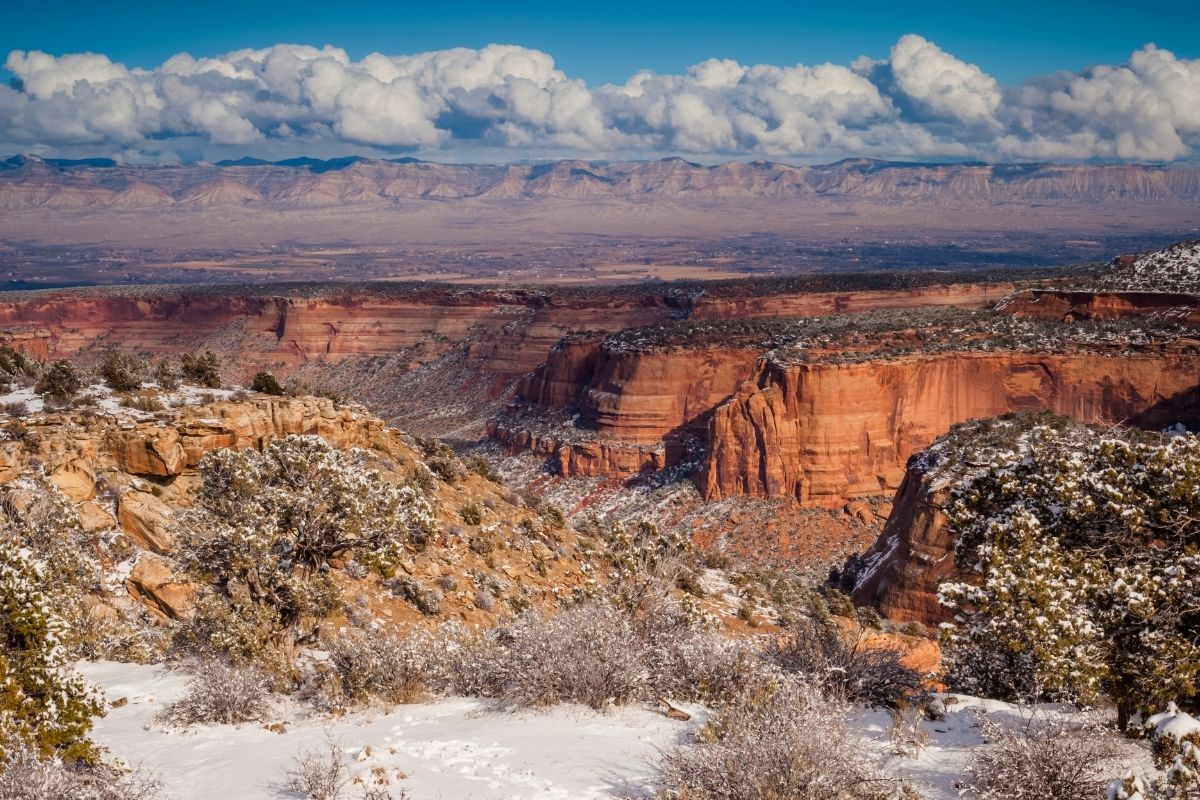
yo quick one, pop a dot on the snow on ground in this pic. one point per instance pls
(460, 749)
(109, 402)
(454, 749)
(26, 395)
(935, 769)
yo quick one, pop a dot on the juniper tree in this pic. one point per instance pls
(1083, 543)
(202, 370)
(44, 704)
(267, 529)
(122, 372)
(60, 382)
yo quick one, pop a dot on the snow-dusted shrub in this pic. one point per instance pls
(14, 366)
(126, 633)
(121, 371)
(702, 666)
(201, 370)
(36, 516)
(266, 383)
(441, 459)
(166, 375)
(221, 693)
(1043, 758)
(389, 667)
(17, 409)
(686, 660)
(1175, 743)
(1082, 544)
(44, 703)
(844, 667)
(427, 600)
(60, 382)
(642, 561)
(779, 739)
(588, 654)
(266, 529)
(25, 776)
(321, 773)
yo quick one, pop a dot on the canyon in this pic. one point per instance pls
(798, 394)
(498, 334)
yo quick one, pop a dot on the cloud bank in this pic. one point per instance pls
(920, 101)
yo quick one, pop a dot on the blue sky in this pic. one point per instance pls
(607, 41)
(798, 81)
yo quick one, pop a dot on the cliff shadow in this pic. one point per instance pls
(1182, 408)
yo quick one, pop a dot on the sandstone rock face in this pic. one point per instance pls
(94, 518)
(913, 556)
(823, 304)
(147, 520)
(559, 381)
(641, 396)
(509, 333)
(75, 478)
(825, 432)
(149, 452)
(152, 583)
(635, 403)
(1057, 304)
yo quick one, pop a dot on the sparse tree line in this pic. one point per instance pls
(138, 381)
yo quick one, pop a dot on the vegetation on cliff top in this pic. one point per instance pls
(891, 333)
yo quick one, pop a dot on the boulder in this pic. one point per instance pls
(76, 479)
(93, 518)
(149, 451)
(152, 583)
(147, 520)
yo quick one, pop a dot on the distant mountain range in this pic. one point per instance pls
(32, 182)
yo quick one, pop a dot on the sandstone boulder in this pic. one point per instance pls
(76, 479)
(147, 520)
(149, 451)
(93, 518)
(152, 583)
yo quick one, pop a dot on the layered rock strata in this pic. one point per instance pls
(825, 432)
(1084, 304)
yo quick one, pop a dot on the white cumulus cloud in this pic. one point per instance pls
(922, 101)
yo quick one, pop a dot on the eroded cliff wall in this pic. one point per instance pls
(1072, 305)
(825, 432)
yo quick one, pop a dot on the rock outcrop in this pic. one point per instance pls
(824, 432)
(639, 408)
(132, 475)
(913, 556)
(1070, 305)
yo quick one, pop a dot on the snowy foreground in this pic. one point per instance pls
(458, 749)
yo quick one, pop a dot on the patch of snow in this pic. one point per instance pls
(26, 395)
(452, 748)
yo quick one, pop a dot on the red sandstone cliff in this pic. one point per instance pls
(507, 332)
(913, 556)
(822, 304)
(1071, 305)
(824, 432)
